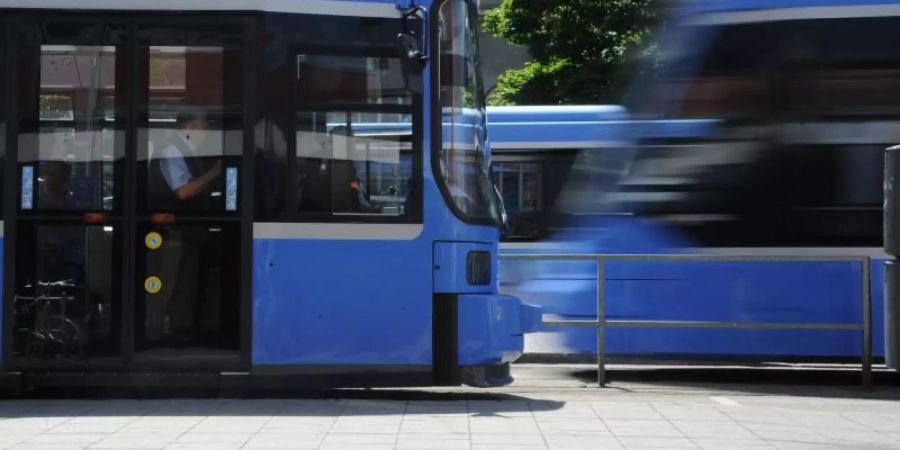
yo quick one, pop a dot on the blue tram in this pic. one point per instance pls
(198, 188)
(761, 133)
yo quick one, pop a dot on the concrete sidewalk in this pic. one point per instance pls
(538, 412)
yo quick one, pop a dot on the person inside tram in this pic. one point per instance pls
(179, 163)
(180, 182)
(322, 174)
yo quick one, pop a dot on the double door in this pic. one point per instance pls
(126, 240)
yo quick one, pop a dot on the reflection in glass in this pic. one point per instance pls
(193, 123)
(351, 79)
(197, 300)
(353, 162)
(77, 132)
(64, 307)
(352, 167)
(464, 164)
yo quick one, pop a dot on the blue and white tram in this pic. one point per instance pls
(609, 170)
(196, 188)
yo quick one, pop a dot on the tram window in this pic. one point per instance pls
(348, 168)
(354, 140)
(193, 129)
(76, 136)
(519, 185)
(351, 79)
(812, 67)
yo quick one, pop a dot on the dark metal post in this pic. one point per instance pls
(601, 322)
(867, 323)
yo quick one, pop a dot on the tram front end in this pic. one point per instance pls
(249, 194)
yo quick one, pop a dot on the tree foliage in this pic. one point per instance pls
(577, 47)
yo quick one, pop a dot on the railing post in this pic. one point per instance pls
(867, 322)
(601, 322)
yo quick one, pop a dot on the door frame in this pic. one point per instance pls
(11, 24)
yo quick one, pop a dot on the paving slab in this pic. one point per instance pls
(549, 407)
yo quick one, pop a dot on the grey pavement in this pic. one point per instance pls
(546, 408)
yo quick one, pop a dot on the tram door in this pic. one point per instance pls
(189, 152)
(128, 236)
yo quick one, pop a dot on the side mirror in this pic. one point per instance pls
(412, 62)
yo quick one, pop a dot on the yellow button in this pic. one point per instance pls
(153, 240)
(152, 285)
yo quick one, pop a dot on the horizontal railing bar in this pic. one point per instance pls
(602, 323)
(705, 324)
(570, 323)
(738, 325)
(686, 257)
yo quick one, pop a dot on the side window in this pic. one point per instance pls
(845, 67)
(355, 150)
(728, 80)
(519, 184)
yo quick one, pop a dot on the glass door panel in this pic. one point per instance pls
(67, 286)
(193, 131)
(188, 233)
(191, 291)
(128, 227)
(67, 156)
(67, 299)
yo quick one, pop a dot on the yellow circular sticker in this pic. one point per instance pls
(152, 285)
(153, 240)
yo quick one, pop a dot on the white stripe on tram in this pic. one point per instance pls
(337, 231)
(322, 7)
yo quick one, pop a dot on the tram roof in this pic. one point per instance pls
(556, 126)
(358, 8)
(775, 10)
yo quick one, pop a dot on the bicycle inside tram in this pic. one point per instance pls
(195, 191)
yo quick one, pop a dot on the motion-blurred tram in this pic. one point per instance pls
(196, 189)
(762, 133)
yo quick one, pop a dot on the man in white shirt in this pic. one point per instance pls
(179, 183)
(175, 170)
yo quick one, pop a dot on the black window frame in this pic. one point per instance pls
(413, 109)
(277, 58)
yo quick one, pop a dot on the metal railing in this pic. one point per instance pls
(865, 327)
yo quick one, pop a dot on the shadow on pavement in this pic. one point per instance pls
(319, 404)
(818, 382)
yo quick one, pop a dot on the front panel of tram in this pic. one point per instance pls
(126, 233)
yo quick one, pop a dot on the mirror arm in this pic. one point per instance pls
(420, 14)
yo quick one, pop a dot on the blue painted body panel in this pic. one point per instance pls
(450, 267)
(827, 292)
(490, 329)
(312, 307)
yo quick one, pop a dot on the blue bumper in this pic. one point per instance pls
(491, 328)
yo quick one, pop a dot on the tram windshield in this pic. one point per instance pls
(464, 162)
